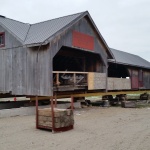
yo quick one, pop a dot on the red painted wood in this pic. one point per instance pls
(83, 40)
(135, 82)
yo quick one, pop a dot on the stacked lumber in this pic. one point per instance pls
(62, 117)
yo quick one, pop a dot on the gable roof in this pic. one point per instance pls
(18, 29)
(36, 33)
(125, 58)
(41, 33)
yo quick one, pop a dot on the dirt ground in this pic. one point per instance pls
(95, 129)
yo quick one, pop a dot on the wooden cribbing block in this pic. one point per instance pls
(128, 104)
(62, 117)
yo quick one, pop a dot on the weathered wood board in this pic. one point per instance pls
(62, 117)
(96, 81)
(118, 84)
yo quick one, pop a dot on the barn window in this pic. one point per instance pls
(2, 39)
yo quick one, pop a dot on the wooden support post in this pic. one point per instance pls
(52, 109)
(55, 100)
(37, 112)
(72, 101)
(57, 78)
(74, 78)
(84, 64)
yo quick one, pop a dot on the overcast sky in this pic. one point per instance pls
(124, 24)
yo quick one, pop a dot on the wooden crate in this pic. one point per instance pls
(62, 118)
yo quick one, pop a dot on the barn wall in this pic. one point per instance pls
(7, 59)
(134, 75)
(65, 39)
(138, 79)
(22, 73)
(146, 79)
(39, 67)
(19, 71)
(40, 80)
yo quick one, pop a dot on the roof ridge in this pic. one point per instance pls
(27, 33)
(58, 18)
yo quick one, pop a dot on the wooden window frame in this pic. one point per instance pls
(3, 35)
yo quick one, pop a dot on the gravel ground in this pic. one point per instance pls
(95, 129)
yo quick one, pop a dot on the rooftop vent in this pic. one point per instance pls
(2, 16)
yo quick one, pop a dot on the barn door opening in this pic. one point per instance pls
(71, 68)
(118, 71)
(69, 59)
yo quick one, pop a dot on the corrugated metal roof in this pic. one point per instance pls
(41, 31)
(18, 29)
(129, 59)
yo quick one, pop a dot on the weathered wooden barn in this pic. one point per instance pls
(63, 54)
(32, 56)
(132, 68)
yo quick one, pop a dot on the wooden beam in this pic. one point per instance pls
(93, 94)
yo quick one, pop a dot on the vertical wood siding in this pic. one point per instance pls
(6, 61)
(146, 79)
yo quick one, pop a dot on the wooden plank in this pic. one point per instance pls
(90, 81)
(57, 112)
(70, 72)
(96, 81)
(118, 84)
